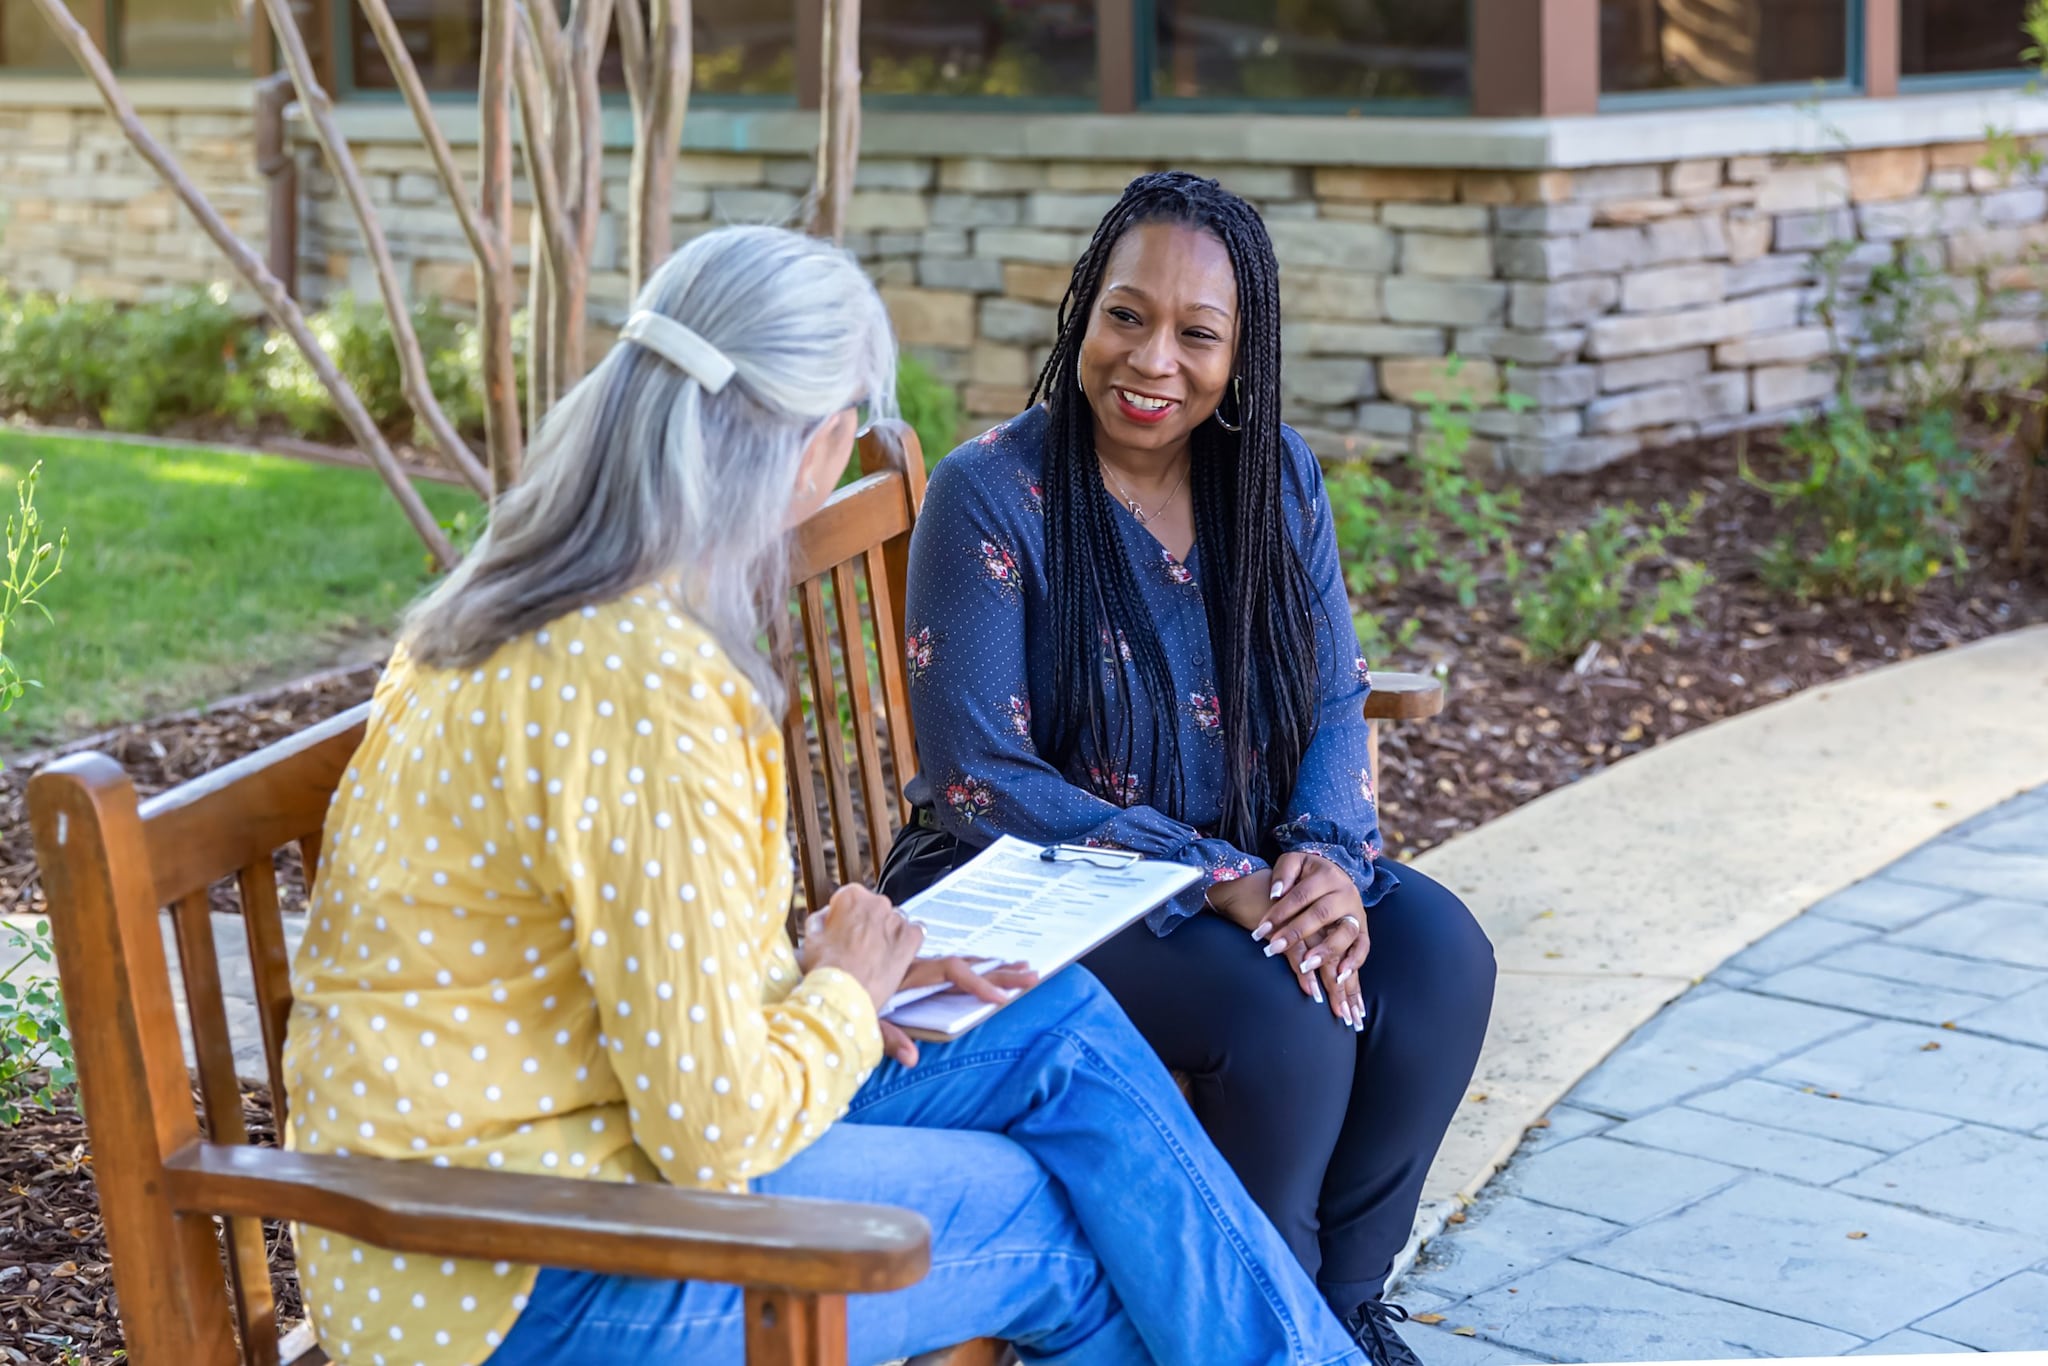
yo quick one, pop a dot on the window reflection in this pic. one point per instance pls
(1004, 48)
(1947, 37)
(1695, 44)
(1348, 50)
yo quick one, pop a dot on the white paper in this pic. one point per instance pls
(1010, 904)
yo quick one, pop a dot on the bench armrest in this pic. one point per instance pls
(1403, 697)
(659, 1231)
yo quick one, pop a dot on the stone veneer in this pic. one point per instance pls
(80, 213)
(1632, 305)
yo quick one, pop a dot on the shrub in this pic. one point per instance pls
(136, 369)
(358, 338)
(929, 405)
(54, 357)
(1589, 587)
(1879, 512)
(32, 561)
(1444, 525)
(36, 1064)
(33, 1041)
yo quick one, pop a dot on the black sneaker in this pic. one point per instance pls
(1372, 1325)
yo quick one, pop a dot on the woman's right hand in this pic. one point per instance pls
(863, 934)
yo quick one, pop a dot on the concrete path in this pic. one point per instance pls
(1608, 899)
(1836, 1144)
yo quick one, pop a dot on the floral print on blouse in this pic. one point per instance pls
(980, 656)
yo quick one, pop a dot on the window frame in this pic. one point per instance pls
(1855, 79)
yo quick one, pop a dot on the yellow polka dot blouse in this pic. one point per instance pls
(547, 936)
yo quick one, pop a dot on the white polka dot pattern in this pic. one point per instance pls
(553, 882)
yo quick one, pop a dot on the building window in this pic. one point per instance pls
(1335, 51)
(738, 47)
(151, 37)
(1653, 45)
(27, 44)
(1954, 37)
(1011, 49)
(184, 37)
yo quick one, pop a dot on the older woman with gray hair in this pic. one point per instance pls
(548, 934)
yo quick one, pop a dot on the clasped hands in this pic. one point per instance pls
(863, 934)
(1306, 910)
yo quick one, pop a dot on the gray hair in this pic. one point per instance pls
(639, 474)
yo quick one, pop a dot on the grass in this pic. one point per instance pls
(193, 573)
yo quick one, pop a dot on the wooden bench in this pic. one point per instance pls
(182, 1191)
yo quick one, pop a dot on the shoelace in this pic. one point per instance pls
(1376, 1319)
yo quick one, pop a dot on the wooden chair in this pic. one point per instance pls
(182, 1192)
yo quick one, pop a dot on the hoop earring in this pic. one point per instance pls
(1077, 381)
(1237, 391)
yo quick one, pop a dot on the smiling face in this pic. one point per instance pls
(1162, 338)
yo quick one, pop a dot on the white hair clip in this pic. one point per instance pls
(680, 347)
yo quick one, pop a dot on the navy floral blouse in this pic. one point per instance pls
(980, 665)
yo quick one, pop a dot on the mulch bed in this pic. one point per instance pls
(56, 1292)
(1513, 730)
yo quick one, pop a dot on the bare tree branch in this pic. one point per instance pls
(658, 140)
(399, 59)
(633, 52)
(252, 269)
(839, 118)
(494, 304)
(412, 358)
(589, 22)
(553, 237)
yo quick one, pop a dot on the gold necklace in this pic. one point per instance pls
(1137, 508)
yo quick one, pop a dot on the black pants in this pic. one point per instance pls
(1332, 1132)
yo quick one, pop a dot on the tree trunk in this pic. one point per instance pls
(252, 269)
(660, 92)
(839, 119)
(495, 287)
(412, 360)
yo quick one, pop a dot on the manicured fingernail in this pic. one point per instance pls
(1312, 962)
(1358, 1025)
(1342, 975)
(1278, 889)
(1265, 928)
(1277, 946)
(1316, 987)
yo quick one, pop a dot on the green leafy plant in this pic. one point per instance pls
(1596, 584)
(1880, 511)
(358, 337)
(1443, 523)
(136, 369)
(36, 1064)
(929, 405)
(35, 1050)
(32, 561)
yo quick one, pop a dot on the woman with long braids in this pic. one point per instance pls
(1128, 627)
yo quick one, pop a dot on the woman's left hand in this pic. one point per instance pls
(997, 985)
(1317, 919)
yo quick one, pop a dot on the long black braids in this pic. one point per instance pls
(1257, 593)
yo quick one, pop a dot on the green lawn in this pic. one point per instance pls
(194, 573)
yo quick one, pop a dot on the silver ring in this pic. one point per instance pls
(1354, 923)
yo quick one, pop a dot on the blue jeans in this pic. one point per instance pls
(1077, 1211)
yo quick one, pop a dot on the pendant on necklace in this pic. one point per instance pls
(1137, 512)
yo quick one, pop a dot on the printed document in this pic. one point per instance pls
(1023, 902)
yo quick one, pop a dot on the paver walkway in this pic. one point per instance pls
(1837, 1144)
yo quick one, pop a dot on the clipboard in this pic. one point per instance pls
(1047, 905)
